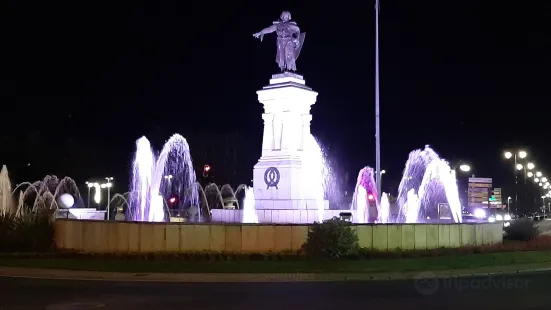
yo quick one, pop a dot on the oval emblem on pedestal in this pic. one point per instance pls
(271, 177)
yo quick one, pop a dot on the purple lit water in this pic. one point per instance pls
(149, 184)
(365, 189)
(428, 184)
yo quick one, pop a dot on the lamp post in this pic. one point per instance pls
(462, 168)
(108, 185)
(89, 185)
(509, 205)
(377, 112)
(522, 155)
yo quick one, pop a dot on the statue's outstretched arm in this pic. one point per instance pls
(264, 31)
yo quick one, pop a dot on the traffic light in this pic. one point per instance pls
(172, 200)
(370, 197)
(206, 170)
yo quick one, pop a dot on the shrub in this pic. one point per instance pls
(331, 239)
(29, 232)
(522, 230)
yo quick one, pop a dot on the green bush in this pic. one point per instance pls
(332, 239)
(522, 230)
(31, 232)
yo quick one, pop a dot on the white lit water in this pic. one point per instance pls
(315, 172)
(146, 202)
(249, 212)
(428, 185)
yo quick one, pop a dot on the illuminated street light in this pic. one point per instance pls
(544, 179)
(519, 166)
(465, 168)
(530, 174)
(508, 155)
(530, 166)
(536, 180)
(108, 185)
(522, 154)
(89, 185)
(538, 174)
(381, 175)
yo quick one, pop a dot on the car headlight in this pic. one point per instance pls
(491, 219)
(499, 217)
(507, 217)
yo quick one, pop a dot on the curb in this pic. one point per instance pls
(73, 275)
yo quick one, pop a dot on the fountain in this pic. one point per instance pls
(6, 200)
(428, 188)
(364, 201)
(249, 213)
(50, 193)
(146, 202)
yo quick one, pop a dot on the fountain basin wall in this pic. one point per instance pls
(90, 236)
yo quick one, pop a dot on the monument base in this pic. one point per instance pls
(274, 216)
(289, 204)
(81, 214)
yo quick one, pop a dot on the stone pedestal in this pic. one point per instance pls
(278, 177)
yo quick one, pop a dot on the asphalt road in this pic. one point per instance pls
(526, 291)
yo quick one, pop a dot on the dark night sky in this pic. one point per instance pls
(84, 80)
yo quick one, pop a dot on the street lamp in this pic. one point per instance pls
(530, 166)
(538, 174)
(108, 185)
(521, 154)
(509, 205)
(90, 185)
(530, 174)
(465, 168)
(380, 175)
(377, 111)
(543, 203)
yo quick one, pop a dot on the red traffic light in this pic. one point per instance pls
(370, 197)
(172, 200)
(206, 168)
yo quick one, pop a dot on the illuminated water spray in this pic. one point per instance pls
(149, 184)
(427, 190)
(315, 173)
(249, 212)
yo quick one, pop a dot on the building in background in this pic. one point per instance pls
(496, 200)
(479, 192)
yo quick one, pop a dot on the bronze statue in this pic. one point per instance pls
(289, 41)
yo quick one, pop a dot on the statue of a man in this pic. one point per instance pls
(289, 41)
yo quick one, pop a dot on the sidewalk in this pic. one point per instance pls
(54, 274)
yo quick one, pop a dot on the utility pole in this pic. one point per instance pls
(377, 112)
